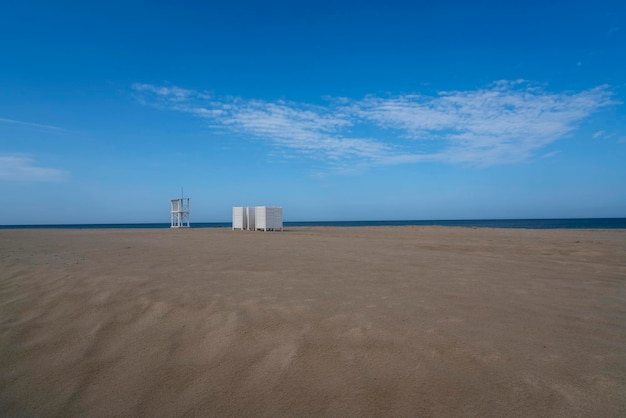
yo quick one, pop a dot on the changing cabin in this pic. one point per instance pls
(243, 217)
(268, 218)
(253, 218)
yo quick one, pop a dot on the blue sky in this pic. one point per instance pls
(333, 110)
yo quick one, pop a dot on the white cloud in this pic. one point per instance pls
(167, 94)
(501, 124)
(598, 134)
(308, 129)
(22, 168)
(31, 124)
(549, 155)
(506, 122)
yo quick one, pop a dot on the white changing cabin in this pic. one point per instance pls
(252, 218)
(244, 217)
(268, 218)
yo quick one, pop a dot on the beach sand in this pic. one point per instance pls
(367, 321)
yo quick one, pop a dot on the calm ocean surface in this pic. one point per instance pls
(588, 223)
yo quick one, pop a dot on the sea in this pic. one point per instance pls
(568, 223)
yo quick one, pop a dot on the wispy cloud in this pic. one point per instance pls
(598, 134)
(30, 124)
(506, 122)
(166, 95)
(24, 168)
(311, 130)
(501, 124)
(308, 129)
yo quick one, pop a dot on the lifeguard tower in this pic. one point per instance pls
(180, 213)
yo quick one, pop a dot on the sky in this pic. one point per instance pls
(334, 110)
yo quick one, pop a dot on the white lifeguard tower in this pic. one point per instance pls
(180, 213)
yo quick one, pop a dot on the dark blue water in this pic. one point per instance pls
(587, 223)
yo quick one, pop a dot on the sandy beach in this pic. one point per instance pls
(368, 321)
